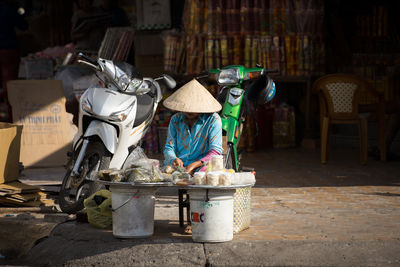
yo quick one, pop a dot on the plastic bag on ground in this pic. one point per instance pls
(99, 210)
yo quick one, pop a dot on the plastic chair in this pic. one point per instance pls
(339, 98)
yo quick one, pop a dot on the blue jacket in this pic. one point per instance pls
(192, 144)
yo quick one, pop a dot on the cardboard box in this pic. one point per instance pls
(10, 141)
(39, 105)
(39, 68)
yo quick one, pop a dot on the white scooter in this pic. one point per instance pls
(112, 121)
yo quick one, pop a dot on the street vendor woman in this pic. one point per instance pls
(195, 132)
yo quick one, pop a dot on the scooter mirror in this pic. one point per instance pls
(169, 81)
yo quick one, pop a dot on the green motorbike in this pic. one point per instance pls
(239, 85)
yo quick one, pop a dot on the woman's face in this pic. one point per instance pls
(191, 116)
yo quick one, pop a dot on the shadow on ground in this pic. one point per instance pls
(72, 241)
(302, 168)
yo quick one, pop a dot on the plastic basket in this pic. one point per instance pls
(241, 209)
(162, 137)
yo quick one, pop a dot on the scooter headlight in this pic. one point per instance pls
(228, 76)
(131, 86)
(123, 82)
(86, 106)
(121, 115)
(126, 84)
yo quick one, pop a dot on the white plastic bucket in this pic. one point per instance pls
(133, 211)
(211, 215)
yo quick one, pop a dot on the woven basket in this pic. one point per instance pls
(241, 209)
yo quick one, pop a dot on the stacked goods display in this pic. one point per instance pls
(284, 127)
(174, 52)
(137, 169)
(381, 71)
(220, 196)
(214, 175)
(291, 55)
(279, 34)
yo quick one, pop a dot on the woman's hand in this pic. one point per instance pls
(177, 162)
(192, 167)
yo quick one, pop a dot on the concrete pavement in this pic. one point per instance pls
(303, 213)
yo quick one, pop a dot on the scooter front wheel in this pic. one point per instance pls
(75, 189)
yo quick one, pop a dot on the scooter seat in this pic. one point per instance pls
(145, 104)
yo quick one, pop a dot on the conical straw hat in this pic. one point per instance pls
(192, 97)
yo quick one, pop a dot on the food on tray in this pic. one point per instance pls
(217, 178)
(217, 163)
(142, 170)
(213, 178)
(137, 175)
(186, 175)
(116, 176)
(184, 182)
(104, 175)
(230, 170)
(156, 176)
(167, 177)
(225, 178)
(112, 175)
(243, 178)
(143, 162)
(169, 169)
(199, 178)
(177, 175)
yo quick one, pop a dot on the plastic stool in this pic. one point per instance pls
(183, 203)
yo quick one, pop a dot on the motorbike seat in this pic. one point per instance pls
(145, 104)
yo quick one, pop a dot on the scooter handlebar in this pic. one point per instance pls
(271, 71)
(88, 59)
(203, 74)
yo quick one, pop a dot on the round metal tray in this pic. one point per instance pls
(218, 187)
(159, 184)
(163, 184)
